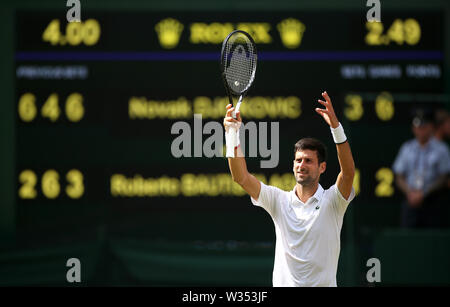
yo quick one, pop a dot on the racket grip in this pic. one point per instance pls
(231, 141)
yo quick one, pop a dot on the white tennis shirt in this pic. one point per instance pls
(307, 235)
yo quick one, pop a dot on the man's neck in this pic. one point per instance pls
(305, 192)
(425, 143)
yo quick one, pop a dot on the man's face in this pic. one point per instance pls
(307, 169)
(423, 132)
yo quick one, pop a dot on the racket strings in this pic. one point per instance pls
(240, 63)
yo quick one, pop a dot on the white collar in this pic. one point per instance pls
(317, 196)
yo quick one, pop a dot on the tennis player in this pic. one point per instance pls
(308, 219)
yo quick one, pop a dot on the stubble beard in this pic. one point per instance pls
(308, 180)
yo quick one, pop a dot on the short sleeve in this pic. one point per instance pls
(399, 165)
(266, 199)
(341, 202)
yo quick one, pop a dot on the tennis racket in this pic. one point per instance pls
(238, 63)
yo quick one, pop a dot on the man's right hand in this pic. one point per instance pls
(229, 121)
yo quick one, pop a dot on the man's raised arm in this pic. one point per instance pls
(238, 167)
(344, 180)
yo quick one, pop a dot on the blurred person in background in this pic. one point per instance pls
(421, 169)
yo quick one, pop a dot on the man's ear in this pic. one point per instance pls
(322, 167)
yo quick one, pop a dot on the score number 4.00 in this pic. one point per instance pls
(50, 185)
(87, 32)
(28, 110)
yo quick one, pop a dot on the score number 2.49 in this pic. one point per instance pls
(400, 32)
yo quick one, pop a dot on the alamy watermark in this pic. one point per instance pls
(374, 273)
(74, 13)
(74, 273)
(374, 14)
(213, 146)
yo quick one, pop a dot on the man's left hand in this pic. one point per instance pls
(328, 113)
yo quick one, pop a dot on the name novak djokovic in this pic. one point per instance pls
(230, 296)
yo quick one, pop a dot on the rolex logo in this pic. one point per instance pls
(169, 32)
(291, 32)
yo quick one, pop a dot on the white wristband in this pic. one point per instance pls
(338, 134)
(232, 141)
(227, 137)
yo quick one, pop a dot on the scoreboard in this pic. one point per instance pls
(96, 101)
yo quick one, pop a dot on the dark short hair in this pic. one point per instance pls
(312, 144)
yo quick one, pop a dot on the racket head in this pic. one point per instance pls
(238, 62)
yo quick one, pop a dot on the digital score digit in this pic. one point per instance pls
(354, 107)
(357, 182)
(75, 189)
(27, 107)
(51, 109)
(28, 179)
(384, 106)
(50, 184)
(385, 178)
(74, 107)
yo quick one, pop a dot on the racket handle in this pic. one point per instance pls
(231, 138)
(231, 141)
(238, 105)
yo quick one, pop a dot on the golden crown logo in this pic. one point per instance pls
(291, 32)
(169, 32)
